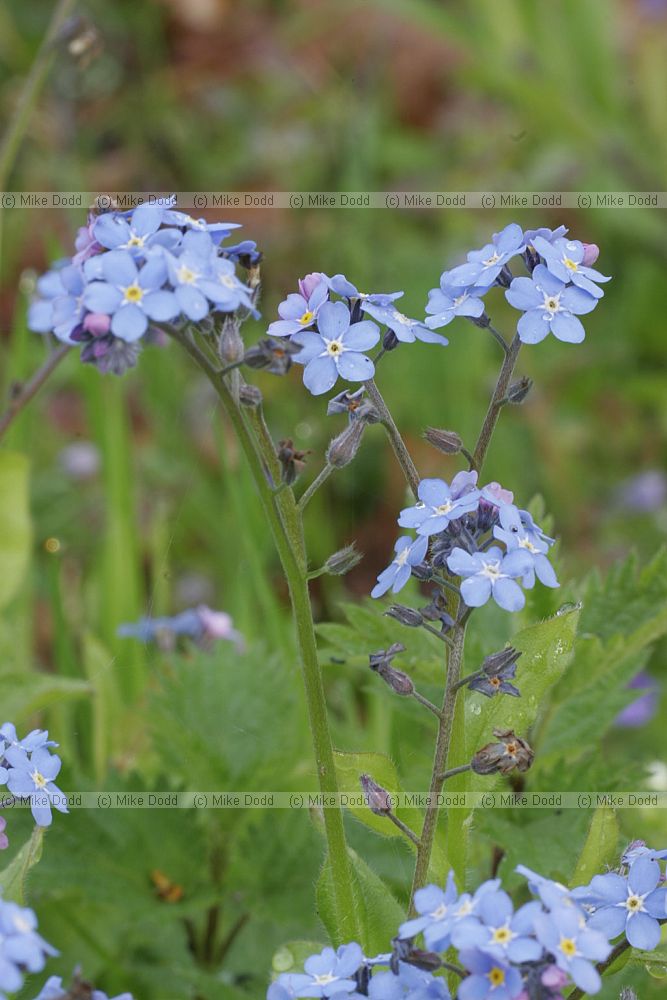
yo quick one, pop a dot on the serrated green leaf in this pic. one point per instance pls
(13, 877)
(15, 523)
(378, 912)
(600, 847)
(22, 694)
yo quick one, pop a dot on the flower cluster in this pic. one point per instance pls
(332, 334)
(135, 270)
(202, 625)
(533, 952)
(21, 947)
(456, 525)
(29, 770)
(562, 285)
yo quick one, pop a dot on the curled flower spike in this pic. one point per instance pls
(508, 753)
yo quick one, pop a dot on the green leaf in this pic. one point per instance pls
(22, 694)
(600, 847)
(13, 877)
(546, 652)
(378, 912)
(15, 524)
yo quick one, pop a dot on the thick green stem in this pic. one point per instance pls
(287, 530)
(496, 404)
(442, 745)
(397, 442)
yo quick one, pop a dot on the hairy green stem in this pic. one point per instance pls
(24, 393)
(287, 530)
(442, 746)
(496, 404)
(319, 480)
(397, 442)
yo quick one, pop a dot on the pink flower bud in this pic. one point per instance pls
(97, 323)
(591, 254)
(309, 283)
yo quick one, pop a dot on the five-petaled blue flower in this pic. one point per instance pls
(573, 944)
(32, 777)
(564, 259)
(53, 989)
(491, 574)
(439, 504)
(549, 305)
(327, 974)
(136, 234)
(521, 534)
(298, 312)
(336, 349)
(490, 978)
(129, 295)
(407, 330)
(633, 904)
(499, 931)
(409, 552)
(436, 908)
(485, 265)
(21, 947)
(449, 301)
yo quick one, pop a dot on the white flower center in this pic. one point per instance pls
(325, 979)
(525, 543)
(502, 935)
(135, 241)
(334, 348)
(635, 903)
(444, 508)
(551, 303)
(228, 280)
(39, 779)
(460, 299)
(402, 557)
(440, 913)
(492, 571)
(402, 319)
(22, 925)
(493, 259)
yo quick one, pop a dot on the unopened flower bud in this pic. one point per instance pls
(343, 448)
(378, 798)
(250, 395)
(291, 460)
(343, 561)
(518, 390)
(406, 616)
(271, 354)
(231, 347)
(448, 442)
(380, 662)
(390, 341)
(591, 254)
(509, 753)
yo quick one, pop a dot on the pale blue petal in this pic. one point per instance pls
(129, 323)
(567, 328)
(532, 327)
(355, 367)
(320, 375)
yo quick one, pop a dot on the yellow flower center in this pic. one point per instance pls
(136, 241)
(133, 293)
(496, 976)
(324, 979)
(568, 946)
(501, 935)
(185, 275)
(307, 318)
(571, 265)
